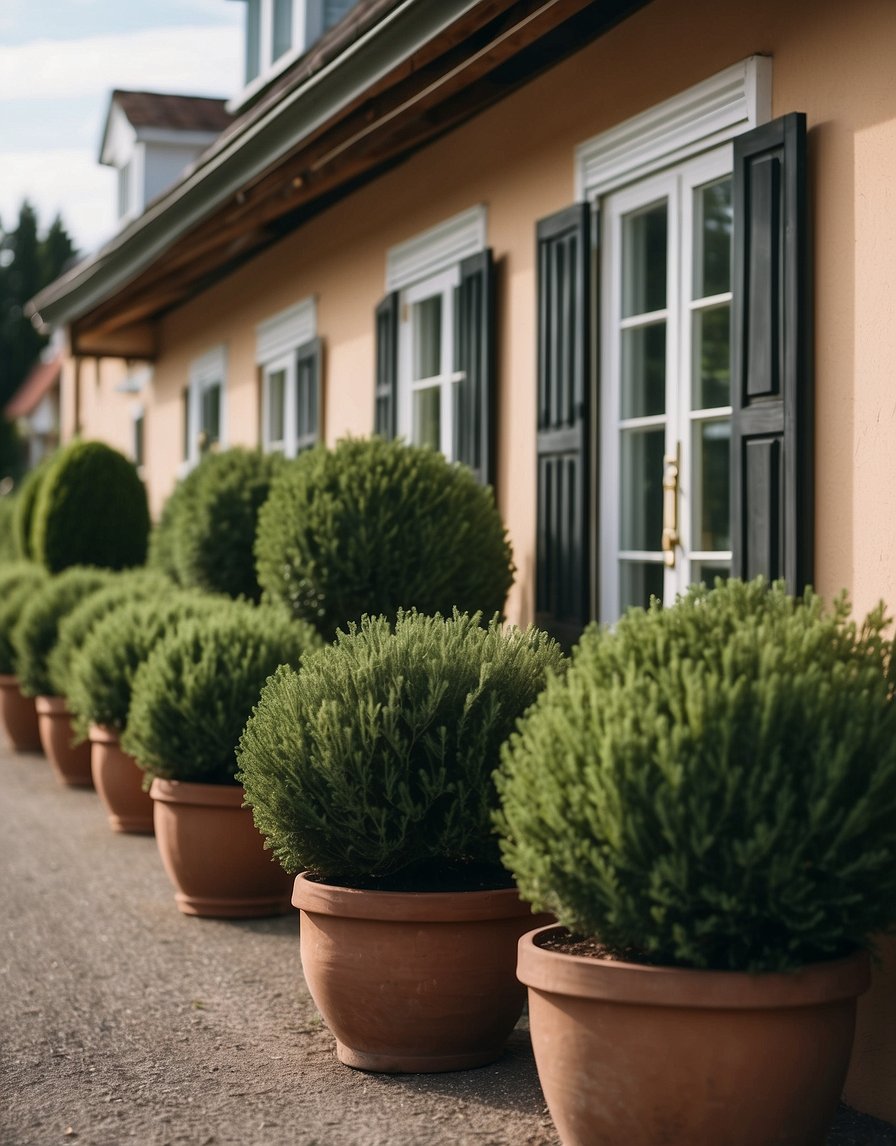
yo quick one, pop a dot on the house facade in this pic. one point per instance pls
(631, 261)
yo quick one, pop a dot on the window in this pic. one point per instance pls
(289, 356)
(124, 189)
(204, 406)
(277, 29)
(435, 375)
(138, 422)
(688, 259)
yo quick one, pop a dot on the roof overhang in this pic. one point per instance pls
(381, 86)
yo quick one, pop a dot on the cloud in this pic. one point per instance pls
(188, 59)
(63, 181)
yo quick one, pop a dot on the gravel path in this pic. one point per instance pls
(122, 1020)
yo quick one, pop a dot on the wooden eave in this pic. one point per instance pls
(491, 51)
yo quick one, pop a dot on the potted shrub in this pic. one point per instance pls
(33, 637)
(18, 582)
(369, 773)
(191, 699)
(90, 509)
(707, 804)
(373, 526)
(117, 779)
(208, 527)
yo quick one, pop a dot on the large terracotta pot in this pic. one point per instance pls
(630, 1055)
(410, 981)
(213, 853)
(18, 715)
(118, 780)
(71, 762)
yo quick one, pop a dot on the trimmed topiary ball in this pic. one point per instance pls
(91, 510)
(123, 587)
(208, 534)
(713, 785)
(196, 690)
(37, 628)
(374, 761)
(101, 674)
(19, 582)
(25, 502)
(374, 526)
(9, 550)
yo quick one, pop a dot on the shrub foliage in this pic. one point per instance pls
(206, 537)
(195, 691)
(377, 756)
(37, 629)
(25, 501)
(713, 784)
(18, 583)
(91, 510)
(374, 526)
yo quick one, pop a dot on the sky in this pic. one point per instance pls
(59, 61)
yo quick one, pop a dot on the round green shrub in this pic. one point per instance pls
(211, 528)
(713, 785)
(374, 526)
(9, 550)
(91, 510)
(375, 760)
(101, 674)
(160, 555)
(18, 584)
(37, 629)
(25, 502)
(124, 586)
(195, 691)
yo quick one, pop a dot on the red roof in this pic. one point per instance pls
(42, 378)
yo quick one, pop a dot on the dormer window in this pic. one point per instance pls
(277, 30)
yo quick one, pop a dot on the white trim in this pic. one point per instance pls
(437, 249)
(710, 113)
(136, 381)
(286, 331)
(209, 367)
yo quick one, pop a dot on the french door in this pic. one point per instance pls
(665, 401)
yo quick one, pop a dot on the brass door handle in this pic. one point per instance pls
(670, 509)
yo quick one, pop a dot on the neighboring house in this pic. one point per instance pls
(629, 260)
(34, 408)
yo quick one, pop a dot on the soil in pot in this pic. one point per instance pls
(70, 762)
(118, 780)
(18, 716)
(413, 981)
(634, 1055)
(213, 853)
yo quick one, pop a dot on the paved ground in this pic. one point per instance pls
(122, 1020)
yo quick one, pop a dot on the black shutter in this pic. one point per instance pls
(771, 376)
(386, 366)
(308, 395)
(474, 394)
(562, 587)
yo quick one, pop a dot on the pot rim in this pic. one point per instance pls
(311, 896)
(190, 792)
(555, 972)
(103, 734)
(51, 706)
(8, 680)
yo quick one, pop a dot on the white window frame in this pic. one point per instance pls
(700, 121)
(277, 341)
(205, 372)
(425, 265)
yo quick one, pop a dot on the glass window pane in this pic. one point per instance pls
(211, 415)
(642, 489)
(708, 571)
(253, 39)
(427, 335)
(276, 405)
(638, 582)
(644, 261)
(643, 389)
(712, 525)
(712, 231)
(282, 28)
(712, 357)
(427, 420)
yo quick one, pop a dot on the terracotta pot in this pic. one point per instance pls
(630, 1055)
(18, 715)
(118, 780)
(70, 762)
(214, 854)
(411, 981)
